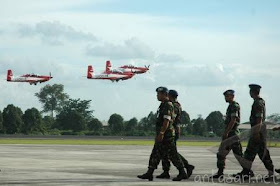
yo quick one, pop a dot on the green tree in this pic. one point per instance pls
(131, 124)
(1, 122)
(52, 97)
(12, 119)
(95, 125)
(32, 121)
(189, 128)
(71, 121)
(116, 123)
(148, 123)
(215, 123)
(48, 122)
(75, 115)
(186, 126)
(185, 118)
(142, 125)
(199, 126)
(80, 106)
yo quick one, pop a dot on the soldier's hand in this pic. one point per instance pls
(159, 138)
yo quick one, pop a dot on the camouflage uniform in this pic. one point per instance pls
(178, 111)
(258, 147)
(232, 142)
(167, 148)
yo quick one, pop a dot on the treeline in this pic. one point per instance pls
(75, 118)
(62, 115)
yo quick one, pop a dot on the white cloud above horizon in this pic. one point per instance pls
(183, 53)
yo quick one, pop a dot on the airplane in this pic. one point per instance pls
(128, 68)
(136, 70)
(113, 75)
(29, 78)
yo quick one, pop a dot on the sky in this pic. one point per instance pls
(199, 48)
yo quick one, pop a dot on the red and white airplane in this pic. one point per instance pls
(113, 75)
(129, 68)
(29, 78)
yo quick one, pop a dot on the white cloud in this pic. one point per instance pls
(54, 33)
(170, 58)
(131, 49)
(184, 54)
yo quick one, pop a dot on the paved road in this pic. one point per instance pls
(106, 165)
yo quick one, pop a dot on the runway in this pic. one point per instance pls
(109, 165)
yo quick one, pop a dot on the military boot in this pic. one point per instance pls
(148, 175)
(277, 170)
(218, 175)
(190, 169)
(182, 175)
(164, 175)
(245, 174)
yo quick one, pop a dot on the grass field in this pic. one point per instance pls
(112, 142)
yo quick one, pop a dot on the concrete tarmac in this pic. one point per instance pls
(111, 165)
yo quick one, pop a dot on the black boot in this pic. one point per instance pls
(182, 175)
(164, 175)
(190, 169)
(277, 170)
(245, 174)
(148, 175)
(218, 175)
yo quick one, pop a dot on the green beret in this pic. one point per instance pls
(162, 89)
(255, 87)
(229, 92)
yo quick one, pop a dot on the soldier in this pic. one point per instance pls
(230, 139)
(164, 146)
(173, 94)
(257, 141)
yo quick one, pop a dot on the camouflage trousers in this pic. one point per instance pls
(257, 147)
(165, 150)
(165, 161)
(231, 143)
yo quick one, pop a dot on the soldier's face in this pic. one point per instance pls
(251, 94)
(171, 98)
(229, 98)
(160, 96)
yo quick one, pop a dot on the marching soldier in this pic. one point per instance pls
(164, 146)
(173, 94)
(230, 139)
(257, 141)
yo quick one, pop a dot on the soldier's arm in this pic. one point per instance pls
(164, 126)
(259, 115)
(258, 126)
(230, 125)
(234, 115)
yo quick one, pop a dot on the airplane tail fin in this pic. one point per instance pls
(90, 72)
(108, 66)
(9, 75)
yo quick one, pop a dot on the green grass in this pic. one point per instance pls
(112, 142)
